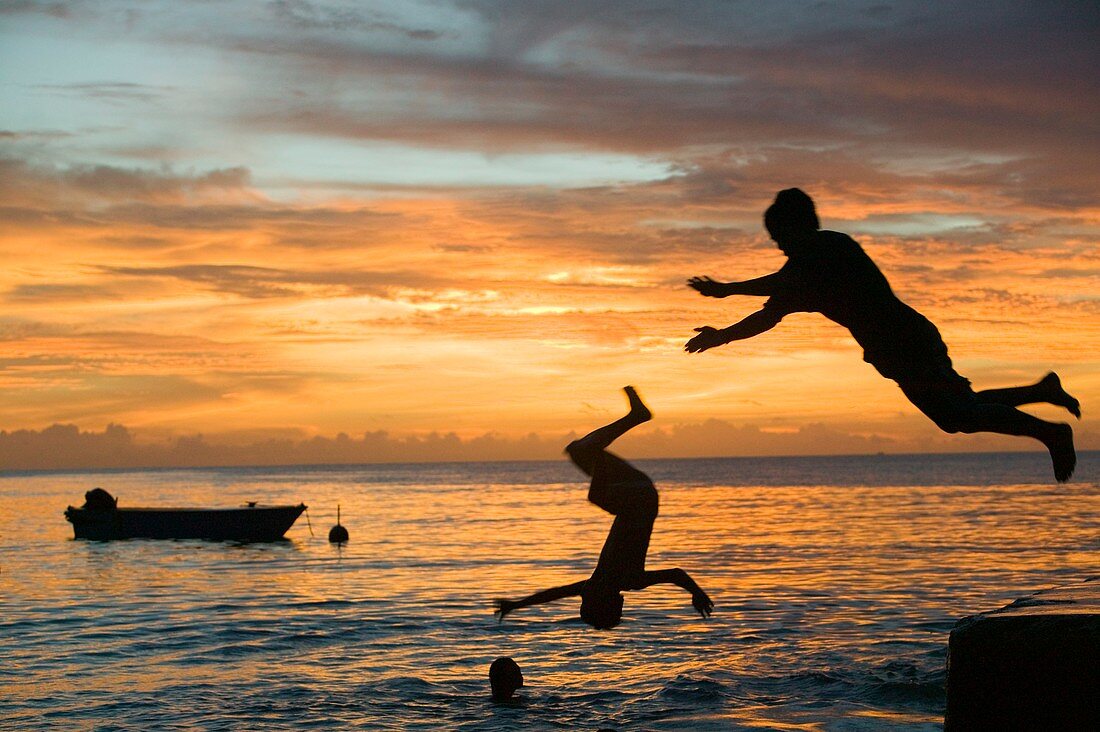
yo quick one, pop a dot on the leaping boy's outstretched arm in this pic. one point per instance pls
(554, 593)
(699, 599)
(760, 286)
(755, 324)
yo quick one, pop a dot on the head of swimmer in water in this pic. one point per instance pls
(504, 678)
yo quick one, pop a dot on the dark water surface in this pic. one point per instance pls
(836, 582)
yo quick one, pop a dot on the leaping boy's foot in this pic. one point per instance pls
(1056, 395)
(1062, 453)
(638, 410)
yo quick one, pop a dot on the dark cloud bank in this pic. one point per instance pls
(66, 447)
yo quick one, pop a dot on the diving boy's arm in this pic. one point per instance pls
(554, 593)
(699, 599)
(761, 286)
(762, 320)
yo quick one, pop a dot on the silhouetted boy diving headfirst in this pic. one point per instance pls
(630, 496)
(829, 273)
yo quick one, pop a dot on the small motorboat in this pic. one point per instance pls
(101, 518)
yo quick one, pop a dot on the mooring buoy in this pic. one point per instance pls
(337, 534)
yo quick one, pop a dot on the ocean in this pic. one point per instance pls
(836, 581)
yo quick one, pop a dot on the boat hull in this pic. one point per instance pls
(248, 524)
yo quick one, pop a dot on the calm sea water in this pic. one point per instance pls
(836, 583)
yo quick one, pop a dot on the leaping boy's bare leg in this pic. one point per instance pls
(1047, 390)
(1006, 420)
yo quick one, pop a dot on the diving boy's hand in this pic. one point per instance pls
(503, 608)
(708, 338)
(707, 287)
(702, 603)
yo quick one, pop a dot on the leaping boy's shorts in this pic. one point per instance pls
(943, 395)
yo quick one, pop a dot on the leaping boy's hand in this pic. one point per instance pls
(503, 608)
(708, 338)
(702, 603)
(706, 287)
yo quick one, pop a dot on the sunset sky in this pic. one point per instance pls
(251, 220)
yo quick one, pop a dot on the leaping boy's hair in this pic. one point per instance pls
(792, 211)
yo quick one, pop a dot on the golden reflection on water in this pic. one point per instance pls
(832, 603)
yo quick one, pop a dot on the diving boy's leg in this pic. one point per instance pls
(617, 486)
(622, 490)
(1047, 390)
(586, 451)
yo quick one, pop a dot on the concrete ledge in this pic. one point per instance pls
(1032, 665)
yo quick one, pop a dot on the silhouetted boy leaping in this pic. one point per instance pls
(630, 496)
(828, 273)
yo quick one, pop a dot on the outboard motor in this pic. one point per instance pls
(98, 499)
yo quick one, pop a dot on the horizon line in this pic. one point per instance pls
(260, 466)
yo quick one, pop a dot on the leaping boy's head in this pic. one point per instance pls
(601, 607)
(791, 217)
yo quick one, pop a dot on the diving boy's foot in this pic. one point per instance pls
(584, 451)
(638, 410)
(1056, 395)
(1062, 453)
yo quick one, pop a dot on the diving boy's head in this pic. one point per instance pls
(791, 218)
(601, 605)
